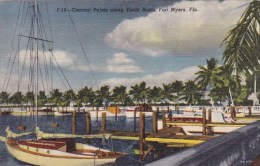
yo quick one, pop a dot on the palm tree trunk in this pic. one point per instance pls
(255, 99)
(211, 100)
(232, 102)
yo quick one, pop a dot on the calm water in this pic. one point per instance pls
(122, 124)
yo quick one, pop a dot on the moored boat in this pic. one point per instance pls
(147, 110)
(54, 152)
(5, 112)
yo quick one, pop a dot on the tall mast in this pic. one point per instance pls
(37, 58)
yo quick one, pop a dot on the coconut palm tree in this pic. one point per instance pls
(29, 98)
(119, 95)
(242, 52)
(191, 93)
(42, 98)
(230, 84)
(220, 94)
(177, 87)
(102, 95)
(55, 96)
(4, 96)
(155, 95)
(85, 95)
(242, 43)
(17, 98)
(167, 93)
(139, 92)
(69, 96)
(209, 76)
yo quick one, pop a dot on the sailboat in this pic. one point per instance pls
(53, 149)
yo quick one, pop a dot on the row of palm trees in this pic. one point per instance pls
(138, 93)
(215, 79)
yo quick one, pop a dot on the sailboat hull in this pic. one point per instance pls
(47, 157)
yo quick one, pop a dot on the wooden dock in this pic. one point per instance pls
(169, 136)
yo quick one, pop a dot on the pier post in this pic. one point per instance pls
(155, 122)
(210, 132)
(97, 113)
(177, 108)
(134, 119)
(103, 122)
(204, 121)
(30, 111)
(141, 134)
(88, 123)
(250, 110)
(117, 109)
(163, 119)
(233, 112)
(73, 122)
(209, 115)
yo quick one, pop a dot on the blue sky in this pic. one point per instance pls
(126, 48)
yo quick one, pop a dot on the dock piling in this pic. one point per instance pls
(233, 112)
(155, 122)
(117, 109)
(141, 134)
(250, 110)
(209, 121)
(163, 119)
(103, 122)
(88, 123)
(177, 109)
(204, 121)
(73, 122)
(209, 115)
(134, 120)
(97, 113)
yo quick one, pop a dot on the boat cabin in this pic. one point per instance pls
(61, 144)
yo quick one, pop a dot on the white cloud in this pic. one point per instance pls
(120, 58)
(151, 80)
(64, 59)
(120, 63)
(182, 33)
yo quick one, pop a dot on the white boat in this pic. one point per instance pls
(94, 114)
(189, 128)
(55, 152)
(62, 113)
(130, 113)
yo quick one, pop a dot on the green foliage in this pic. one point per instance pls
(16, 98)
(42, 98)
(155, 95)
(102, 94)
(120, 95)
(4, 97)
(55, 96)
(191, 93)
(242, 52)
(242, 95)
(85, 95)
(139, 92)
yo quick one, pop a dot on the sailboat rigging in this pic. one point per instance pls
(52, 149)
